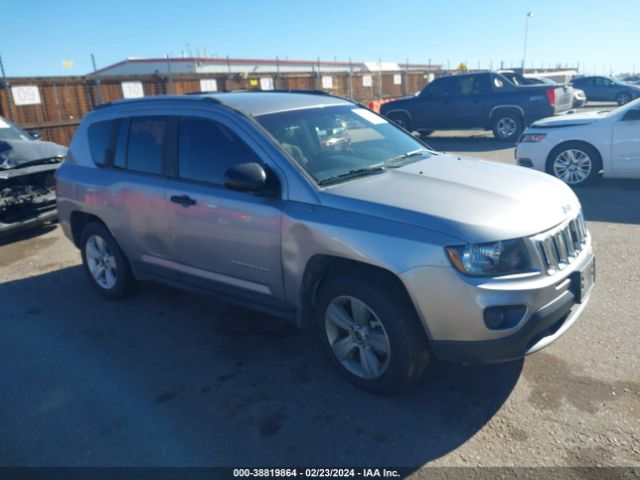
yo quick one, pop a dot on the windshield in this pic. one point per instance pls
(342, 142)
(8, 131)
(628, 106)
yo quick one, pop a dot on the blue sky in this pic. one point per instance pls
(38, 35)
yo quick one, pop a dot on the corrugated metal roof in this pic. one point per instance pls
(274, 63)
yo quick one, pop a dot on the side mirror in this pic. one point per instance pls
(632, 115)
(35, 134)
(246, 177)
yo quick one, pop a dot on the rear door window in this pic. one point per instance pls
(145, 149)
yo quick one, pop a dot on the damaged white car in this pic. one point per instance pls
(27, 184)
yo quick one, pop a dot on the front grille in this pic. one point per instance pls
(561, 246)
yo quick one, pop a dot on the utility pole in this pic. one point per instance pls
(95, 72)
(350, 78)
(405, 87)
(170, 88)
(380, 78)
(7, 90)
(526, 33)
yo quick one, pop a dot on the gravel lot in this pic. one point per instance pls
(170, 378)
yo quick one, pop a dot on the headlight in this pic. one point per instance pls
(490, 259)
(532, 137)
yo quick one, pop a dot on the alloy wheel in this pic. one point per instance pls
(101, 262)
(506, 127)
(357, 338)
(624, 99)
(572, 166)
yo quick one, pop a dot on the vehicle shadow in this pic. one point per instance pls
(167, 378)
(27, 234)
(473, 143)
(616, 201)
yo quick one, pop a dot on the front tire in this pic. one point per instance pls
(575, 163)
(104, 263)
(623, 98)
(371, 331)
(507, 126)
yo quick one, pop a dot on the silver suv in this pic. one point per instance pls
(309, 207)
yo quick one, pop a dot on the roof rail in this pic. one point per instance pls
(154, 98)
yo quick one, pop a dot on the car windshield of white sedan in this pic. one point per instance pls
(615, 111)
(335, 144)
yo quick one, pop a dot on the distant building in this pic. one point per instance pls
(557, 75)
(150, 66)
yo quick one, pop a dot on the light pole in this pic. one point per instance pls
(526, 32)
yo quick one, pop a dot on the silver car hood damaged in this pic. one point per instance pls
(473, 200)
(14, 153)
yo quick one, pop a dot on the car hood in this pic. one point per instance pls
(568, 120)
(471, 199)
(15, 153)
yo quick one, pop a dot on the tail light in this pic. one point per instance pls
(551, 96)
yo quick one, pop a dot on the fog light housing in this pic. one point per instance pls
(525, 162)
(504, 316)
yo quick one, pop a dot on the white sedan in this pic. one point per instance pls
(576, 147)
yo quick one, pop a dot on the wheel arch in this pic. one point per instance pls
(398, 110)
(512, 108)
(79, 220)
(554, 151)
(320, 267)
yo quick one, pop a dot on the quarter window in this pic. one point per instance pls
(100, 141)
(207, 149)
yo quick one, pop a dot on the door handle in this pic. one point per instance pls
(183, 200)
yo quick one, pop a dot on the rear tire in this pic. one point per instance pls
(104, 263)
(401, 119)
(363, 320)
(507, 126)
(577, 164)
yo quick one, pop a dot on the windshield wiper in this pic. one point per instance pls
(399, 160)
(358, 172)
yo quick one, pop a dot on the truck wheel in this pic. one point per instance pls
(575, 163)
(104, 262)
(371, 332)
(623, 98)
(401, 119)
(507, 126)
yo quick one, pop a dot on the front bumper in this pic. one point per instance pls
(28, 222)
(542, 329)
(452, 308)
(533, 154)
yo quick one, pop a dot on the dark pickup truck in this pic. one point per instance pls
(484, 100)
